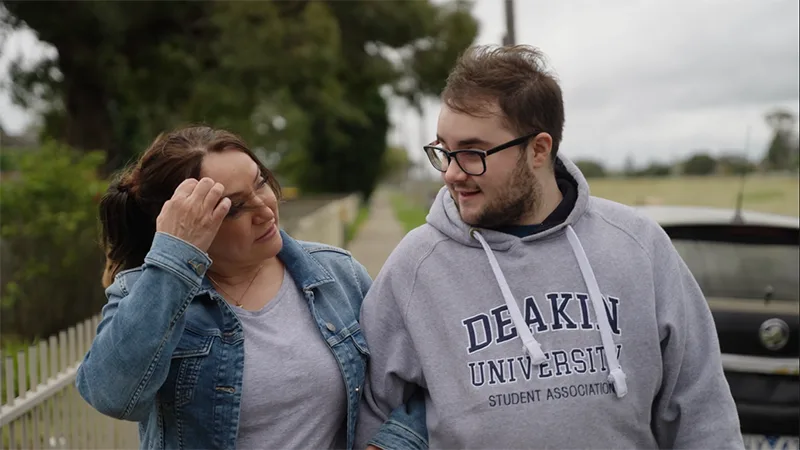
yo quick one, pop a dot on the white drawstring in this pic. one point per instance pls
(531, 344)
(616, 376)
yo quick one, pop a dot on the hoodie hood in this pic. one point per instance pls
(444, 215)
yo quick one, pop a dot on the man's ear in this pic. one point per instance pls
(540, 148)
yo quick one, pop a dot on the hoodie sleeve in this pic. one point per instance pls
(694, 407)
(406, 422)
(394, 375)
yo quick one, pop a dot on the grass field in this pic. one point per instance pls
(773, 194)
(409, 213)
(351, 230)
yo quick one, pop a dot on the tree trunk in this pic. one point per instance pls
(87, 122)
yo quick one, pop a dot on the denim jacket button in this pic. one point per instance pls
(330, 327)
(199, 268)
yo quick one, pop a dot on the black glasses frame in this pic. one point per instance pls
(453, 155)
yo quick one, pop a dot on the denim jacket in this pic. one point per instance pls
(169, 351)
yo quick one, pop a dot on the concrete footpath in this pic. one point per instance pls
(378, 235)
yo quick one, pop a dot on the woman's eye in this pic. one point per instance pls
(234, 211)
(261, 184)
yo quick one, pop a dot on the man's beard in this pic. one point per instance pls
(520, 197)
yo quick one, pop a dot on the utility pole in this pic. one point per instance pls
(510, 38)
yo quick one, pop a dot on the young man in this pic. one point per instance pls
(528, 313)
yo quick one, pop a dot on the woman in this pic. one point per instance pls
(222, 331)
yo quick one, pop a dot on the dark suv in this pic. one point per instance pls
(747, 266)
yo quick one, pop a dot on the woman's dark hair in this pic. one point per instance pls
(129, 208)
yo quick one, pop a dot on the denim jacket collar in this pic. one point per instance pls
(305, 270)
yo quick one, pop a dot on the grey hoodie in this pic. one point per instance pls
(591, 334)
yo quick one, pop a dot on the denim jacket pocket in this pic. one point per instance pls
(187, 361)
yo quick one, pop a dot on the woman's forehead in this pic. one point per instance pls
(234, 169)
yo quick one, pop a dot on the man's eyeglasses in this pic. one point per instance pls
(472, 162)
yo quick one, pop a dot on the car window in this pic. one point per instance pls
(745, 262)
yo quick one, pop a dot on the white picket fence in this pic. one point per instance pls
(42, 409)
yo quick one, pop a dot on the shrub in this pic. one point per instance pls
(50, 260)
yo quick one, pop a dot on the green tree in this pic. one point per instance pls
(781, 153)
(396, 165)
(700, 163)
(629, 167)
(128, 70)
(656, 169)
(349, 153)
(119, 71)
(51, 262)
(733, 164)
(591, 168)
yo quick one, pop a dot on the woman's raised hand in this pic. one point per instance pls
(195, 212)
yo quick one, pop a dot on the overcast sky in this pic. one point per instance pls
(654, 80)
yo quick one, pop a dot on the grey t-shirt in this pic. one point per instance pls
(293, 395)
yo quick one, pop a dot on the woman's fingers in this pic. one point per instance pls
(213, 197)
(200, 191)
(185, 188)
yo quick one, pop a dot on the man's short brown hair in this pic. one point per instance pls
(515, 77)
